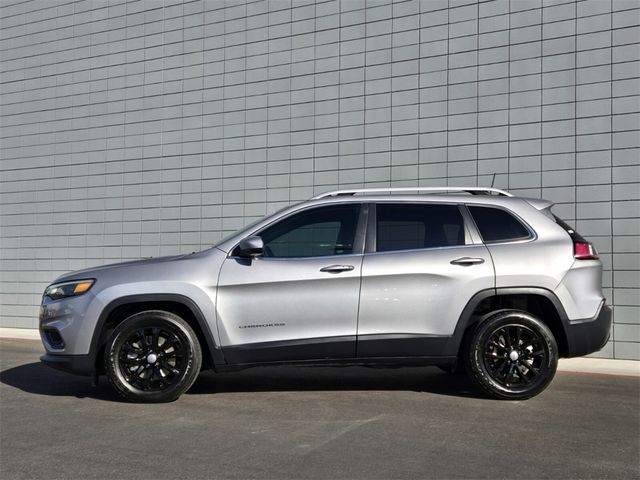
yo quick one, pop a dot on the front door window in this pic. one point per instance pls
(316, 232)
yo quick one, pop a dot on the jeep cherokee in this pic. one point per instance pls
(467, 279)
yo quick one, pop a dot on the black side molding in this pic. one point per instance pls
(330, 348)
(401, 345)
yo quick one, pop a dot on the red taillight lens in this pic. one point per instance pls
(584, 251)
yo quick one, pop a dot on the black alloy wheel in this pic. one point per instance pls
(512, 355)
(152, 356)
(515, 355)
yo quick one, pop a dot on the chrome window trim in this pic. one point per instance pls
(288, 259)
(425, 249)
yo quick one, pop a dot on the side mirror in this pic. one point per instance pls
(250, 247)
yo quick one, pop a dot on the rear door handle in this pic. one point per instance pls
(467, 261)
(337, 268)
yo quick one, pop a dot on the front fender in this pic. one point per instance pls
(196, 299)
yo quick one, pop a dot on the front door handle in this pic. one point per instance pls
(467, 261)
(337, 268)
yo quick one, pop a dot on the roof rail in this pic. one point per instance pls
(471, 190)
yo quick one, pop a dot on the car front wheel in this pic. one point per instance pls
(152, 356)
(512, 355)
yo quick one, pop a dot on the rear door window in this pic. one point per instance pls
(408, 227)
(497, 225)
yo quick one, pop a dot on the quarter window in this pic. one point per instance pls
(497, 225)
(407, 227)
(313, 233)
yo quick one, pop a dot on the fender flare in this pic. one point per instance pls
(98, 339)
(467, 319)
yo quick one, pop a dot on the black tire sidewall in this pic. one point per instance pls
(153, 318)
(476, 365)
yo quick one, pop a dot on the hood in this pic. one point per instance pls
(92, 272)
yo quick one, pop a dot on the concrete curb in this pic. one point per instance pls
(603, 366)
(20, 333)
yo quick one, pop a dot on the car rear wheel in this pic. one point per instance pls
(152, 356)
(512, 355)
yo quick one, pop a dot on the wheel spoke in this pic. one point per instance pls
(143, 339)
(507, 338)
(495, 355)
(158, 375)
(509, 377)
(497, 345)
(148, 378)
(500, 366)
(505, 372)
(169, 342)
(129, 347)
(534, 370)
(132, 362)
(521, 374)
(172, 370)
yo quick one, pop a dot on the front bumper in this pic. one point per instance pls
(589, 335)
(66, 329)
(67, 325)
(76, 364)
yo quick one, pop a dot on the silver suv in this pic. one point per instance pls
(467, 279)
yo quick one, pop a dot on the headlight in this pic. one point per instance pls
(68, 289)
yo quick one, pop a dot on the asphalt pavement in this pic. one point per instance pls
(322, 423)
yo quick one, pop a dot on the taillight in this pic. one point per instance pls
(584, 251)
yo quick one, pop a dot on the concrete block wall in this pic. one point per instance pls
(150, 127)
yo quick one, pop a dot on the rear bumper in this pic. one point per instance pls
(76, 364)
(589, 335)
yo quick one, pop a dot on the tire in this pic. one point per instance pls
(153, 357)
(512, 355)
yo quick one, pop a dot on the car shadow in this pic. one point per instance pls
(39, 379)
(349, 378)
